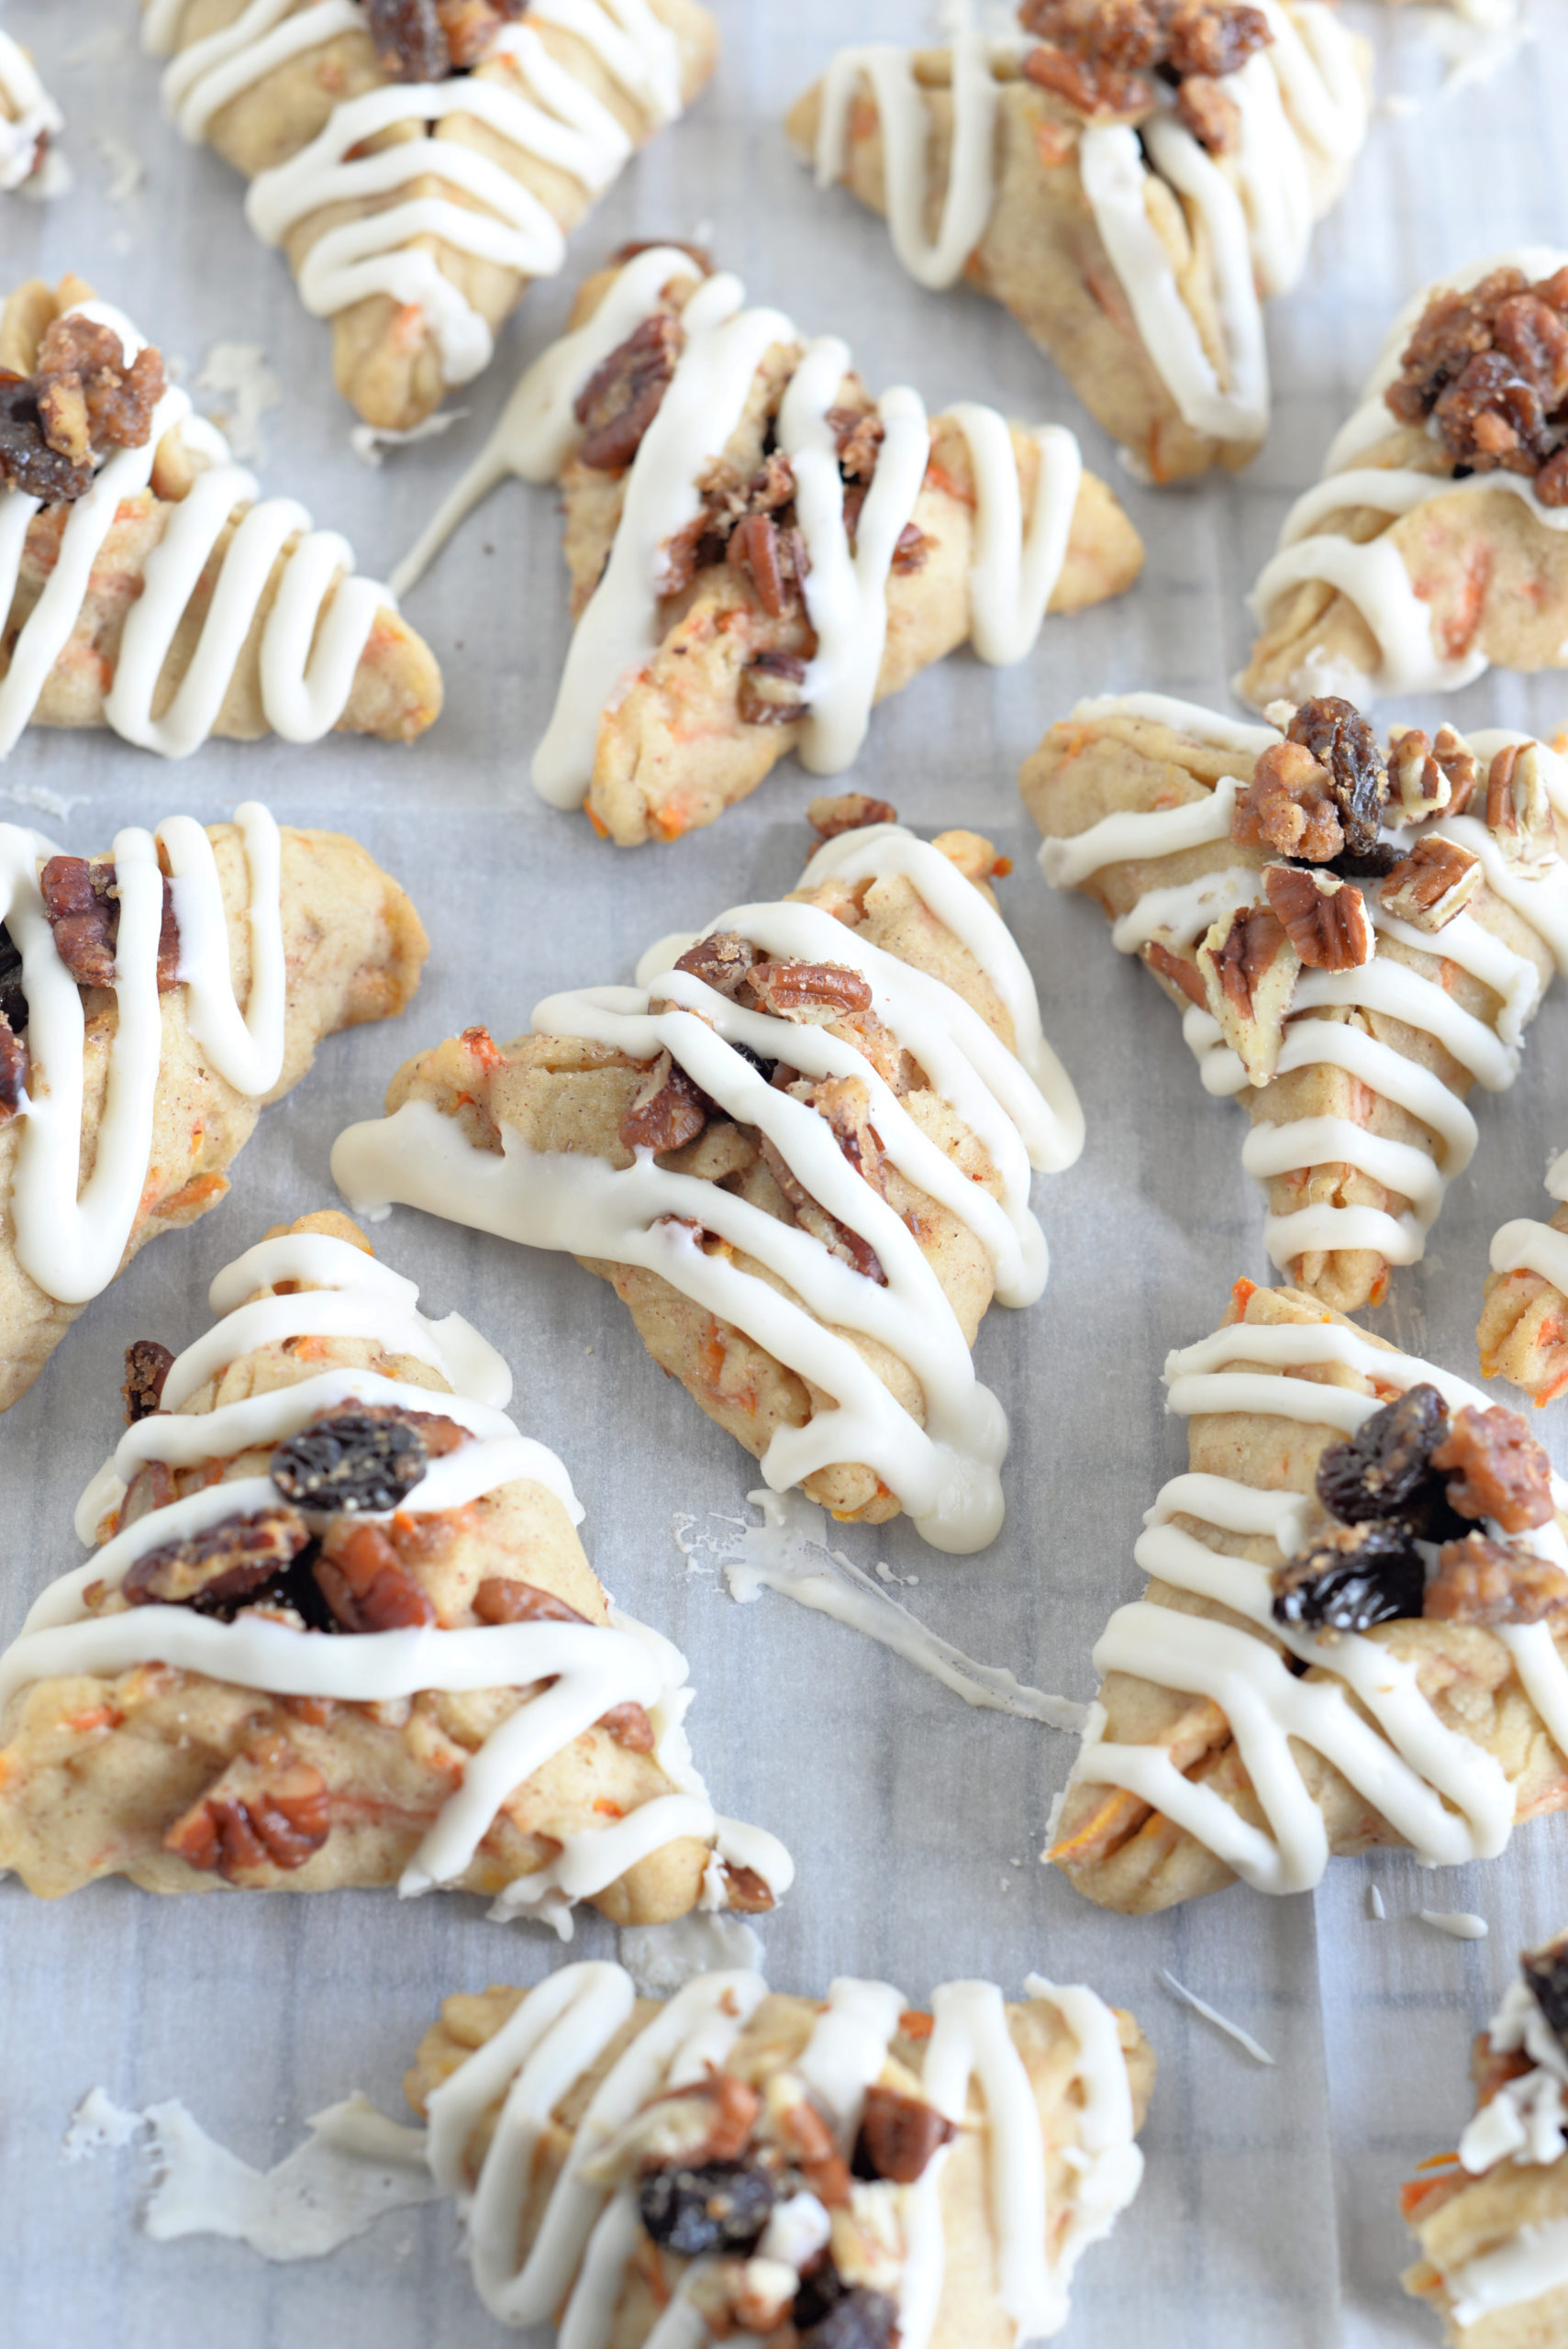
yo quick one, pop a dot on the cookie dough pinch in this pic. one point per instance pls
(341, 1634)
(1352, 1632)
(799, 1150)
(849, 2168)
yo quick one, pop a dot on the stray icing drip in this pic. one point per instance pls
(71, 1236)
(1212, 2014)
(29, 117)
(520, 94)
(1178, 915)
(1443, 1795)
(1014, 572)
(587, 2233)
(317, 623)
(945, 1472)
(1460, 1924)
(580, 1670)
(1302, 111)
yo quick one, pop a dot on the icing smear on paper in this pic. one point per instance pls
(789, 1553)
(355, 2168)
(661, 1959)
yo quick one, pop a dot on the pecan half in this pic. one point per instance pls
(1289, 806)
(1518, 809)
(365, 1582)
(269, 1808)
(146, 1366)
(769, 692)
(1486, 1582)
(1249, 969)
(497, 1600)
(1325, 917)
(723, 962)
(808, 991)
(668, 1109)
(898, 2134)
(1495, 1468)
(851, 811)
(1435, 882)
(1340, 740)
(81, 900)
(624, 392)
(212, 1570)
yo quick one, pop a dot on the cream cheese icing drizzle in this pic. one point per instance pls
(1179, 914)
(575, 2269)
(1371, 573)
(72, 1235)
(1015, 567)
(317, 623)
(578, 1671)
(520, 94)
(1302, 109)
(28, 114)
(945, 1473)
(1446, 1797)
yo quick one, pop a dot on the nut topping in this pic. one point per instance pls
(13, 1067)
(668, 1109)
(1431, 778)
(624, 392)
(898, 2135)
(722, 961)
(1435, 882)
(629, 1726)
(267, 1808)
(215, 1571)
(81, 900)
(1101, 54)
(1485, 1582)
(81, 398)
(366, 1584)
(812, 992)
(1289, 807)
(146, 1366)
(1340, 740)
(1490, 365)
(1249, 969)
(497, 1600)
(769, 692)
(1495, 1468)
(1518, 810)
(1324, 917)
(851, 811)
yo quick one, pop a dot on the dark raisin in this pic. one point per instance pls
(721, 2207)
(13, 999)
(1340, 739)
(350, 1462)
(27, 464)
(860, 2320)
(1350, 1578)
(1546, 1977)
(410, 41)
(754, 1059)
(146, 1366)
(1383, 1466)
(13, 1071)
(1375, 864)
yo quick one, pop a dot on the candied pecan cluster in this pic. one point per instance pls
(424, 40)
(1489, 367)
(80, 401)
(81, 902)
(1108, 57)
(1416, 1474)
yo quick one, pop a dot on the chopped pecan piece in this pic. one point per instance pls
(497, 1600)
(898, 2135)
(1325, 917)
(769, 691)
(1485, 1582)
(1495, 1468)
(808, 2141)
(748, 1893)
(1341, 741)
(1174, 967)
(851, 811)
(723, 962)
(269, 1808)
(1289, 807)
(668, 1109)
(808, 991)
(1350, 1578)
(410, 40)
(212, 1570)
(1249, 969)
(153, 1486)
(1435, 882)
(1210, 113)
(624, 392)
(1092, 86)
(146, 1366)
(366, 1584)
(88, 397)
(629, 1726)
(1459, 766)
(1518, 809)
(858, 434)
(81, 901)
(13, 1071)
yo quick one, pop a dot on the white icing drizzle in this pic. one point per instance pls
(520, 94)
(1442, 1794)
(28, 114)
(1460, 1924)
(576, 2267)
(578, 1671)
(1371, 573)
(944, 1473)
(1013, 576)
(1303, 110)
(316, 627)
(1533, 2263)
(71, 1236)
(1179, 914)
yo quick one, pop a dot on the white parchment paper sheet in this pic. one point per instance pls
(1269, 2213)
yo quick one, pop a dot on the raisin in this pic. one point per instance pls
(1546, 1977)
(721, 2207)
(146, 1366)
(1350, 1578)
(350, 1462)
(27, 464)
(858, 2320)
(13, 1071)
(13, 996)
(1373, 863)
(1383, 1467)
(410, 42)
(1340, 740)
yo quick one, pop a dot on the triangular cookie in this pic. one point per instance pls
(343, 1633)
(758, 551)
(1435, 543)
(145, 584)
(858, 2139)
(1131, 184)
(130, 1002)
(1355, 935)
(1352, 1632)
(420, 161)
(800, 1152)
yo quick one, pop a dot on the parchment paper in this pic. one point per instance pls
(1269, 2215)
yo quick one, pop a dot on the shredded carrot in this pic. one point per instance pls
(915, 2025)
(712, 1356)
(1001, 869)
(1241, 1294)
(197, 1192)
(1117, 1802)
(601, 827)
(1380, 1287)
(610, 1809)
(672, 820)
(1054, 144)
(97, 1717)
(481, 1046)
(1438, 2161)
(1417, 2190)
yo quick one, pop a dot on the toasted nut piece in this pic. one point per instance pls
(216, 1568)
(146, 1366)
(628, 1724)
(1338, 736)
(721, 962)
(1289, 807)
(898, 2135)
(808, 991)
(1435, 882)
(1518, 812)
(365, 1583)
(267, 1808)
(849, 812)
(1414, 779)
(668, 1109)
(1179, 973)
(769, 692)
(497, 1600)
(748, 1893)
(1479, 1580)
(1495, 1468)
(1460, 764)
(1325, 917)
(1249, 969)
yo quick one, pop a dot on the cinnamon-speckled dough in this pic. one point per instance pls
(1523, 1330)
(396, 691)
(969, 2316)
(1124, 1855)
(95, 1770)
(385, 357)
